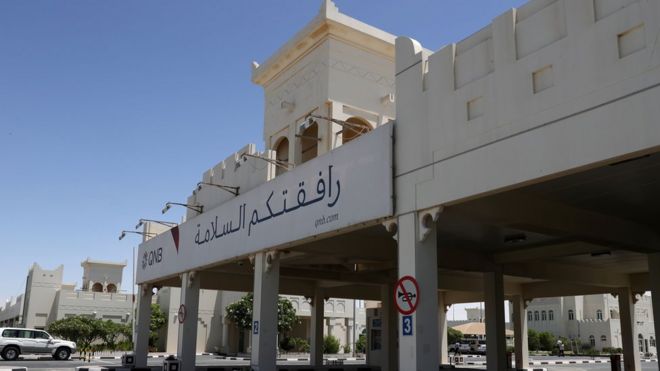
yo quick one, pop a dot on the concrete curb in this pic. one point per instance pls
(13, 368)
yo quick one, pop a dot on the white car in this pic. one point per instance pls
(17, 341)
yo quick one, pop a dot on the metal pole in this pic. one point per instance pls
(354, 327)
(133, 301)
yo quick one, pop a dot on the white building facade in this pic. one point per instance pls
(593, 319)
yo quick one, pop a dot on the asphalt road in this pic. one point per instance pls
(210, 360)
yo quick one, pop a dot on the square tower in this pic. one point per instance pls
(335, 68)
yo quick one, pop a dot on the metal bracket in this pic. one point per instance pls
(392, 227)
(271, 256)
(427, 219)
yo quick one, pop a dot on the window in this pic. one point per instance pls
(571, 315)
(603, 338)
(551, 315)
(543, 316)
(40, 335)
(529, 315)
(97, 287)
(592, 340)
(359, 126)
(112, 288)
(652, 341)
(641, 342)
(599, 314)
(536, 315)
(10, 334)
(282, 156)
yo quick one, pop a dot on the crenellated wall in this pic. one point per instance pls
(546, 88)
(236, 170)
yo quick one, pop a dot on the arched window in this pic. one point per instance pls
(641, 342)
(551, 315)
(536, 315)
(652, 341)
(603, 338)
(599, 314)
(282, 155)
(529, 315)
(592, 340)
(309, 143)
(97, 287)
(543, 316)
(571, 315)
(359, 126)
(111, 288)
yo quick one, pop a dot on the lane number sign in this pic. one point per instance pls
(406, 295)
(407, 325)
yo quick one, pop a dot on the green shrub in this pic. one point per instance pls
(361, 344)
(330, 345)
(286, 344)
(299, 345)
(346, 348)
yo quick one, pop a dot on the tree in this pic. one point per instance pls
(453, 336)
(110, 332)
(157, 321)
(533, 340)
(547, 341)
(81, 329)
(240, 313)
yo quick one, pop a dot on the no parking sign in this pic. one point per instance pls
(406, 295)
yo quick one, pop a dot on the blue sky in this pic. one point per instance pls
(108, 109)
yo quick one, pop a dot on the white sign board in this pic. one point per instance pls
(347, 186)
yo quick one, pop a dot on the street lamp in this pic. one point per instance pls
(145, 234)
(168, 205)
(232, 190)
(167, 224)
(279, 163)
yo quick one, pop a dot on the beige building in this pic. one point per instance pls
(593, 319)
(216, 333)
(47, 298)
(520, 163)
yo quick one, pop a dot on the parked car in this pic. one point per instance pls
(463, 347)
(17, 341)
(478, 347)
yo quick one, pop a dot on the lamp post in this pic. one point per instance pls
(121, 236)
(195, 208)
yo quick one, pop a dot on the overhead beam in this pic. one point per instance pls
(554, 218)
(567, 273)
(547, 252)
(555, 289)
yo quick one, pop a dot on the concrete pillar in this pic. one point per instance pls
(187, 341)
(631, 361)
(225, 335)
(318, 320)
(442, 329)
(418, 257)
(389, 329)
(264, 316)
(654, 281)
(142, 322)
(495, 329)
(520, 332)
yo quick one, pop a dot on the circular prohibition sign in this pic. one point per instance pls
(181, 315)
(406, 295)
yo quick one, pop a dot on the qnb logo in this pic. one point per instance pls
(152, 257)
